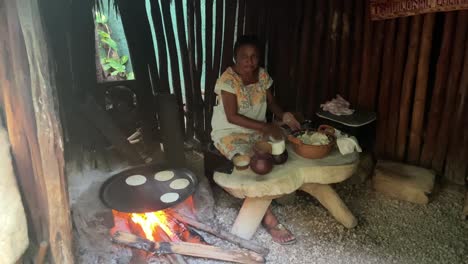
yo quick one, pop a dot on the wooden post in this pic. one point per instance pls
(187, 74)
(456, 166)
(421, 88)
(452, 84)
(385, 88)
(375, 65)
(397, 76)
(209, 83)
(34, 127)
(438, 92)
(366, 60)
(316, 47)
(304, 60)
(163, 85)
(334, 20)
(357, 50)
(343, 85)
(229, 27)
(173, 56)
(407, 86)
(197, 71)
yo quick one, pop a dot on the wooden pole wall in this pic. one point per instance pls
(407, 70)
(34, 128)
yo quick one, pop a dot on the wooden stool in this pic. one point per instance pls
(311, 176)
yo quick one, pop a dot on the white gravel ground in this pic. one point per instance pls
(389, 231)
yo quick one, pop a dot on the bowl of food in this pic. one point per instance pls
(313, 144)
(241, 162)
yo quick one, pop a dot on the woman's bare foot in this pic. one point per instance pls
(278, 232)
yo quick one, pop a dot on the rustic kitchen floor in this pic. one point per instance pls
(389, 231)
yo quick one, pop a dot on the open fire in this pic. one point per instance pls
(150, 222)
(170, 233)
(159, 226)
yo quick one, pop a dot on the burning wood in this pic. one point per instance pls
(222, 234)
(189, 249)
(167, 232)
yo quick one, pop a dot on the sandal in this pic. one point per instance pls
(280, 228)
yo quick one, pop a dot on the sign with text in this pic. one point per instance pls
(384, 9)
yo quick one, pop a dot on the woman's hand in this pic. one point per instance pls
(272, 130)
(291, 121)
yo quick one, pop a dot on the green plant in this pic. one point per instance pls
(111, 62)
(116, 66)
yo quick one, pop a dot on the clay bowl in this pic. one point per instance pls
(241, 162)
(262, 148)
(313, 151)
(262, 161)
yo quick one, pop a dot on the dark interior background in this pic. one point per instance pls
(411, 71)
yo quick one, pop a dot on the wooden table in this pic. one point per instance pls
(311, 176)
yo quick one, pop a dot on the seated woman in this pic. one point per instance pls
(239, 118)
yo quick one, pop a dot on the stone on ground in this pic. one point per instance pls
(403, 182)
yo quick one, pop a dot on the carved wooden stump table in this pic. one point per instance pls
(311, 176)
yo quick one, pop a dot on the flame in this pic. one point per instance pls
(149, 221)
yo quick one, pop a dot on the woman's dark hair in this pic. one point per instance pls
(246, 40)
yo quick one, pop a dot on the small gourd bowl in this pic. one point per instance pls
(241, 162)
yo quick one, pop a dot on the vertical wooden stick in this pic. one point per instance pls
(452, 86)
(407, 88)
(438, 92)
(397, 76)
(421, 88)
(335, 13)
(375, 65)
(304, 60)
(456, 165)
(316, 48)
(344, 67)
(385, 88)
(356, 49)
(366, 59)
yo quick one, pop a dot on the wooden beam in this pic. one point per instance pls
(41, 162)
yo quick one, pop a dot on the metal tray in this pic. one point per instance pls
(117, 194)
